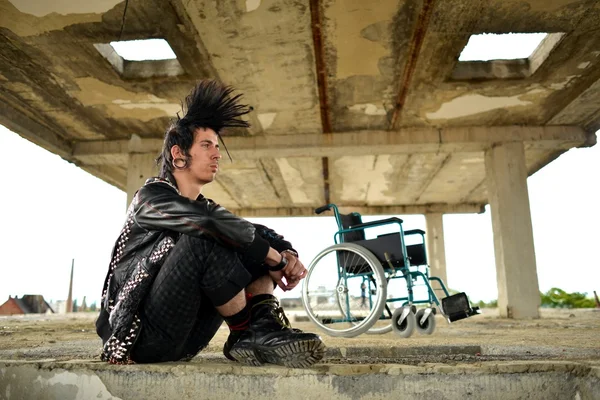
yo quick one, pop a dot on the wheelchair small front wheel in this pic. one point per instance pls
(425, 326)
(403, 322)
(344, 291)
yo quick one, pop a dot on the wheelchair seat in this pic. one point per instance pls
(389, 243)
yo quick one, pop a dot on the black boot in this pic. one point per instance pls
(270, 338)
(234, 336)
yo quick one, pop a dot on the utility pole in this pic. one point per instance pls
(70, 297)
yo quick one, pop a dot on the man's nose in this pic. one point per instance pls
(217, 154)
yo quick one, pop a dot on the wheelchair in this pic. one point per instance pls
(374, 286)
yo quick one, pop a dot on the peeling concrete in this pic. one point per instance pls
(550, 5)
(354, 172)
(57, 89)
(29, 18)
(219, 194)
(564, 83)
(380, 191)
(121, 102)
(584, 65)
(41, 8)
(74, 124)
(369, 109)
(303, 180)
(266, 119)
(252, 5)
(474, 104)
(352, 18)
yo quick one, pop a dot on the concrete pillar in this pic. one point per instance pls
(506, 178)
(140, 167)
(436, 250)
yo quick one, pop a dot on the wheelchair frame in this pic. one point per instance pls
(403, 319)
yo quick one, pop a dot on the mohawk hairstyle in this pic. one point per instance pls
(210, 104)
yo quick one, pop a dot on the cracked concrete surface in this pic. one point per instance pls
(556, 356)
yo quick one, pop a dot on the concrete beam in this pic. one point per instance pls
(32, 127)
(583, 110)
(113, 175)
(464, 208)
(410, 140)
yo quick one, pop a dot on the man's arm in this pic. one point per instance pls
(275, 240)
(160, 207)
(295, 271)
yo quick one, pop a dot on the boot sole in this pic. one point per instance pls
(299, 354)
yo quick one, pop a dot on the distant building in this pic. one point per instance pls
(291, 302)
(59, 306)
(28, 304)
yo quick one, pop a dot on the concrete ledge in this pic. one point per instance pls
(398, 352)
(95, 380)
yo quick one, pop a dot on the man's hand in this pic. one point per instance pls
(293, 273)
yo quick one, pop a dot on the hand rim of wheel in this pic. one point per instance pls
(370, 320)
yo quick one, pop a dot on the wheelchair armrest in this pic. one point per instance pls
(414, 231)
(377, 223)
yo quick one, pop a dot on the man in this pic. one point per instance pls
(183, 264)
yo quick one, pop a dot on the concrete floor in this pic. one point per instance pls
(556, 356)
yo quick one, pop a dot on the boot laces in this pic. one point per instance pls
(277, 312)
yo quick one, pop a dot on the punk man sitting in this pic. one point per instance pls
(182, 263)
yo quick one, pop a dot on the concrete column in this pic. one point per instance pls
(506, 178)
(436, 250)
(140, 167)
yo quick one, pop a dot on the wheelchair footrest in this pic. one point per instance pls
(457, 307)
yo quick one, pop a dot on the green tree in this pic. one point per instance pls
(558, 298)
(93, 307)
(483, 304)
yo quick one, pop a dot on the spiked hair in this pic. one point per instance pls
(209, 105)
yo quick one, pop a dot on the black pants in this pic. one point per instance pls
(178, 315)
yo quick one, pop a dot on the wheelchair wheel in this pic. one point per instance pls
(332, 294)
(378, 327)
(403, 327)
(425, 327)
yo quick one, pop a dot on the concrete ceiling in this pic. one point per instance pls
(361, 103)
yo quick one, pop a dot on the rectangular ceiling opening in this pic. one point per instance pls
(142, 50)
(504, 56)
(141, 59)
(509, 46)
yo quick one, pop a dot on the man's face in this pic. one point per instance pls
(204, 155)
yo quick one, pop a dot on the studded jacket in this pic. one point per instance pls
(156, 218)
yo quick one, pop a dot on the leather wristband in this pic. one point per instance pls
(282, 264)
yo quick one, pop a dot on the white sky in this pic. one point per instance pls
(54, 212)
(147, 49)
(489, 46)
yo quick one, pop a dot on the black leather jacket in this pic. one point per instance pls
(156, 218)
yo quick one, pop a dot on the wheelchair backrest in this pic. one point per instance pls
(348, 221)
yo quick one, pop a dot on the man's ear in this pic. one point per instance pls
(176, 152)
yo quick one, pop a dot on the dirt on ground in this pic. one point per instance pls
(558, 334)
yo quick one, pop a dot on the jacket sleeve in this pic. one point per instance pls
(160, 207)
(275, 240)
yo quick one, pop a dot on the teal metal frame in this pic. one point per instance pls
(408, 274)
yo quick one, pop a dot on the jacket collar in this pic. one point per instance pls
(166, 180)
(169, 180)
